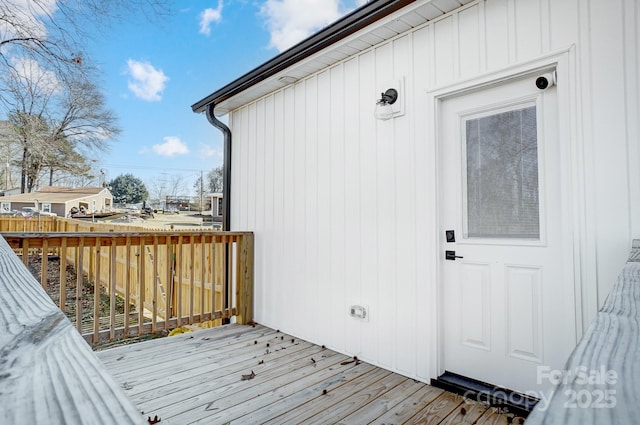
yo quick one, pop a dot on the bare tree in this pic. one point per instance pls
(157, 190)
(176, 185)
(215, 179)
(166, 186)
(9, 154)
(32, 132)
(199, 187)
(59, 122)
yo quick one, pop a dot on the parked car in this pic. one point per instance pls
(28, 211)
(31, 212)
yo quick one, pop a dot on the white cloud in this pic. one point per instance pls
(172, 146)
(146, 83)
(290, 21)
(209, 16)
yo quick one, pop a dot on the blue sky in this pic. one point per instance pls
(153, 71)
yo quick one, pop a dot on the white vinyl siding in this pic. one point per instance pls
(343, 207)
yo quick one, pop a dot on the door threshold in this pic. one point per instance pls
(513, 401)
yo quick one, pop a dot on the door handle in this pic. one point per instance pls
(451, 255)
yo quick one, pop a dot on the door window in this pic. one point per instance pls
(502, 196)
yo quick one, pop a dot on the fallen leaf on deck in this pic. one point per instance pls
(247, 377)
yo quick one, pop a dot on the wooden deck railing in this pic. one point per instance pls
(119, 284)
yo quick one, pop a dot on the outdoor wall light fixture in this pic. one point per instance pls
(383, 105)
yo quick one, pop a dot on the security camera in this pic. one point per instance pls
(545, 81)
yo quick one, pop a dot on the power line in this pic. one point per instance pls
(143, 167)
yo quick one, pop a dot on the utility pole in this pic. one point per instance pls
(201, 190)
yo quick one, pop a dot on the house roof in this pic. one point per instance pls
(355, 32)
(56, 195)
(76, 190)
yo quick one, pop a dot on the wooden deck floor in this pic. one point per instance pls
(203, 377)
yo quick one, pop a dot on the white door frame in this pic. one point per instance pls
(572, 165)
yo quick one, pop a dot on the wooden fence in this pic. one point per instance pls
(147, 281)
(61, 224)
(29, 224)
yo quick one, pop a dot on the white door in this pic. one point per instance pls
(508, 311)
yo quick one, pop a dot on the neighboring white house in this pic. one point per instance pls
(535, 192)
(59, 200)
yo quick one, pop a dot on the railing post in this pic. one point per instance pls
(244, 280)
(202, 277)
(79, 282)
(178, 273)
(25, 252)
(93, 258)
(127, 285)
(96, 291)
(44, 264)
(168, 286)
(63, 275)
(213, 262)
(192, 276)
(112, 290)
(155, 279)
(141, 285)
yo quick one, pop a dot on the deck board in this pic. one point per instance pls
(438, 410)
(197, 378)
(409, 406)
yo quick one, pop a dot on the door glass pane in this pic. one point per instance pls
(502, 175)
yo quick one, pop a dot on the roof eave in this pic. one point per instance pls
(349, 24)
